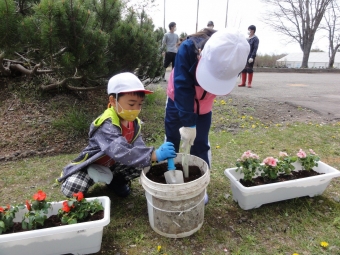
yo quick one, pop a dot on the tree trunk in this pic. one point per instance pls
(306, 51)
(331, 59)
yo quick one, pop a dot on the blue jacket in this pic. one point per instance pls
(185, 80)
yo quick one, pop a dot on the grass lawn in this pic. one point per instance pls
(282, 228)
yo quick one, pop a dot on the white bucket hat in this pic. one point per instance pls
(224, 56)
(125, 82)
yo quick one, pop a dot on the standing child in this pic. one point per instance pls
(207, 64)
(116, 152)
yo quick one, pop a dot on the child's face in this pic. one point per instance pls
(129, 102)
(128, 106)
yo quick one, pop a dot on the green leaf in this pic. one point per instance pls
(72, 221)
(24, 225)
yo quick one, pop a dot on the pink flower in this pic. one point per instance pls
(312, 152)
(249, 154)
(301, 154)
(283, 154)
(270, 161)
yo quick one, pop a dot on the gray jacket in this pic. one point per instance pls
(105, 138)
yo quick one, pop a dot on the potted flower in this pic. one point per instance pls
(73, 235)
(277, 179)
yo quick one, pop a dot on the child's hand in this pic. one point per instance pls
(165, 151)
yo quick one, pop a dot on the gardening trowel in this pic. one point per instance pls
(173, 176)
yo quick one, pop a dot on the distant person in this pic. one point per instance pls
(116, 152)
(210, 24)
(170, 41)
(253, 41)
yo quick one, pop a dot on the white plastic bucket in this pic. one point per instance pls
(177, 210)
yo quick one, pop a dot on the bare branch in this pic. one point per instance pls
(59, 52)
(6, 71)
(298, 20)
(59, 84)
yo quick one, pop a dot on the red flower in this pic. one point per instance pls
(79, 195)
(66, 208)
(1, 209)
(28, 205)
(40, 195)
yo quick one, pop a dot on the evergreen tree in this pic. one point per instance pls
(78, 42)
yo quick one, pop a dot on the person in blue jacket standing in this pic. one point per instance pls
(207, 64)
(254, 44)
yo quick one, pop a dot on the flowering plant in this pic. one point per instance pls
(77, 209)
(272, 167)
(308, 161)
(248, 164)
(7, 215)
(37, 211)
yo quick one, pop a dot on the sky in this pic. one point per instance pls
(241, 14)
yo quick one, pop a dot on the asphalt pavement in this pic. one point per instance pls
(319, 92)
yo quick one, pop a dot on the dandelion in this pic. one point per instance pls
(250, 117)
(253, 126)
(159, 248)
(324, 244)
(217, 147)
(215, 101)
(295, 253)
(243, 117)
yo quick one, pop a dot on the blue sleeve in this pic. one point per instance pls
(184, 82)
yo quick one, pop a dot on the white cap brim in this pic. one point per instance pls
(212, 84)
(142, 90)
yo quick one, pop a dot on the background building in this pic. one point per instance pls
(316, 60)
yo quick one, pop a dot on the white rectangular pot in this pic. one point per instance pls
(80, 238)
(254, 197)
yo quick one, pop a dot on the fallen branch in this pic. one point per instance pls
(32, 72)
(59, 84)
(26, 59)
(6, 71)
(84, 88)
(64, 82)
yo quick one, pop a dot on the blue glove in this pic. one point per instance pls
(165, 151)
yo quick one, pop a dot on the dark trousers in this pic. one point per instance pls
(249, 67)
(173, 124)
(169, 58)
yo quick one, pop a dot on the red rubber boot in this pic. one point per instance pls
(250, 79)
(243, 80)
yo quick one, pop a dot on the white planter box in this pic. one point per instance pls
(80, 238)
(254, 197)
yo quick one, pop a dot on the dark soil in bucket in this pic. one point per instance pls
(156, 172)
(282, 178)
(53, 221)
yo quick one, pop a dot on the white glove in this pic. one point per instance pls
(250, 60)
(188, 135)
(100, 173)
